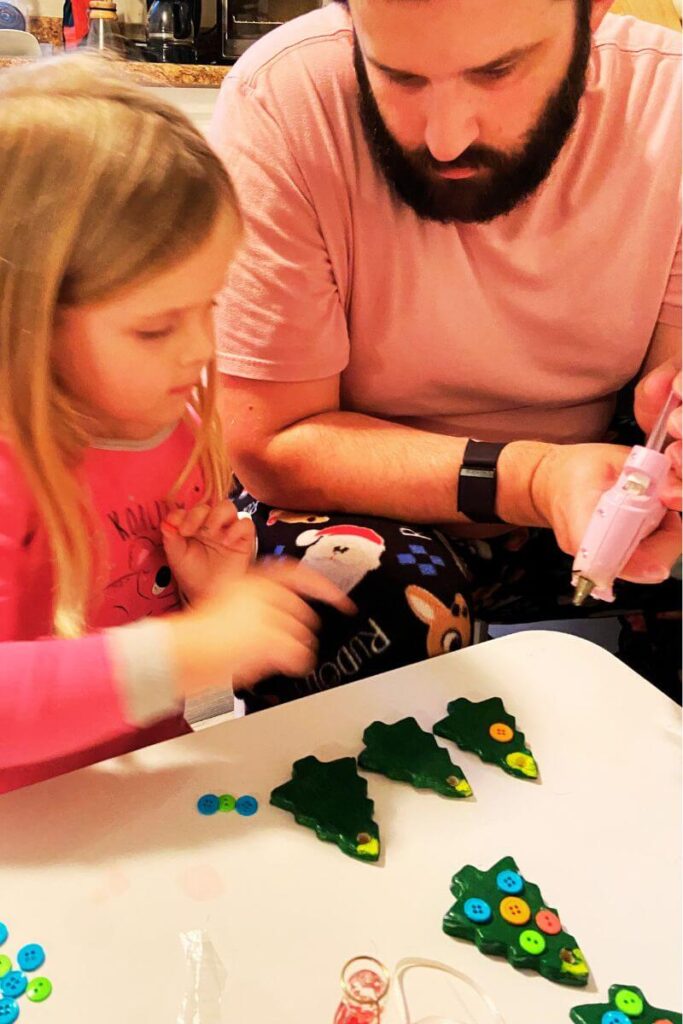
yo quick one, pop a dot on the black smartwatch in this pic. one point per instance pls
(477, 481)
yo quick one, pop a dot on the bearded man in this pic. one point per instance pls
(463, 244)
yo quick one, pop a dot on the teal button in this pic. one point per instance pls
(476, 910)
(13, 984)
(246, 805)
(31, 957)
(207, 804)
(9, 1011)
(510, 882)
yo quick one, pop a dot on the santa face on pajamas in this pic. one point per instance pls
(345, 554)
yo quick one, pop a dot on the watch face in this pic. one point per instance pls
(477, 481)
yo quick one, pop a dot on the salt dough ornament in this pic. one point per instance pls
(331, 797)
(505, 915)
(486, 728)
(627, 1005)
(405, 752)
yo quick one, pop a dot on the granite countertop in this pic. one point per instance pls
(194, 76)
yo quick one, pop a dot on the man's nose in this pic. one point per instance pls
(452, 123)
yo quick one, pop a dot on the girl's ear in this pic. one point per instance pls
(599, 9)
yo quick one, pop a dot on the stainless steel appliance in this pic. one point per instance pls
(228, 27)
(244, 21)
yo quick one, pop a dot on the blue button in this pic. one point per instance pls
(9, 1011)
(614, 1017)
(510, 882)
(246, 806)
(13, 984)
(208, 804)
(3, 933)
(477, 910)
(31, 957)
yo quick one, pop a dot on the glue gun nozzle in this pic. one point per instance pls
(582, 590)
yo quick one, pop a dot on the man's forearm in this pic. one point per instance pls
(349, 462)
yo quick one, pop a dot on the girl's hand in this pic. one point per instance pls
(253, 626)
(207, 545)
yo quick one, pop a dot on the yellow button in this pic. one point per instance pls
(501, 732)
(514, 910)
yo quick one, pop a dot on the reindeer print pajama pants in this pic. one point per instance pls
(411, 590)
(419, 592)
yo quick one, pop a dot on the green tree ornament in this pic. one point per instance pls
(487, 729)
(331, 797)
(627, 1005)
(506, 915)
(405, 752)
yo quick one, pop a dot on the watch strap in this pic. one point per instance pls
(477, 481)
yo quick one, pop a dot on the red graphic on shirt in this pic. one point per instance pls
(149, 587)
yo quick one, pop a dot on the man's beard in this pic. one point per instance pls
(508, 178)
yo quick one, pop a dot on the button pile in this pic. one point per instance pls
(14, 983)
(209, 804)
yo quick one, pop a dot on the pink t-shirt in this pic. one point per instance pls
(62, 702)
(524, 327)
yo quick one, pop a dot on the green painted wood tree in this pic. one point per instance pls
(627, 1005)
(331, 798)
(487, 729)
(506, 915)
(405, 752)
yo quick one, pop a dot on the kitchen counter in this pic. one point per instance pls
(183, 76)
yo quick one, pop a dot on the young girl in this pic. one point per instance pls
(117, 224)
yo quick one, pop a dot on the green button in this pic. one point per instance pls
(629, 1002)
(39, 989)
(5, 965)
(226, 802)
(532, 942)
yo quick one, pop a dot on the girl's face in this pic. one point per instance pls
(133, 359)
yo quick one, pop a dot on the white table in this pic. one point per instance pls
(108, 866)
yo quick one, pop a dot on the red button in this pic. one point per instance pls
(548, 922)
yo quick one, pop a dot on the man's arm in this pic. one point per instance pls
(293, 447)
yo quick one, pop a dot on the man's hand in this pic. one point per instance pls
(568, 483)
(651, 394)
(206, 546)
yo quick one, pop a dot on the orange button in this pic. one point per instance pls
(501, 732)
(548, 922)
(514, 910)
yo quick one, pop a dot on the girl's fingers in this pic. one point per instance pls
(194, 520)
(239, 535)
(220, 517)
(308, 584)
(175, 545)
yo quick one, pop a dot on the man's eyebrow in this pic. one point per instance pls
(505, 58)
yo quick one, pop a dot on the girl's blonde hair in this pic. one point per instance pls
(102, 185)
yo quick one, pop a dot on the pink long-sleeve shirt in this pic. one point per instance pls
(66, 703)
